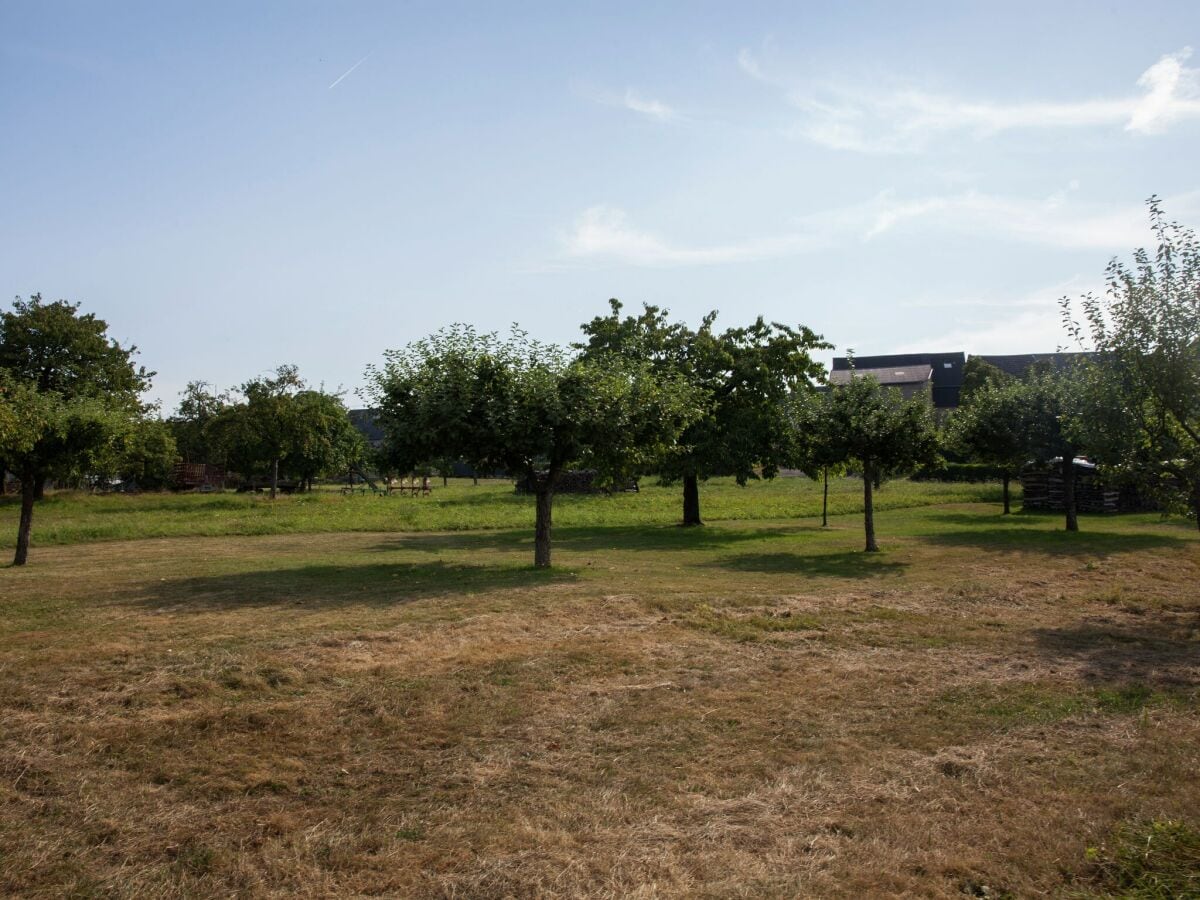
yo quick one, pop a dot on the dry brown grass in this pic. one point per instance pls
(726, 713)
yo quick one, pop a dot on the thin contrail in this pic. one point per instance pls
(348, 71)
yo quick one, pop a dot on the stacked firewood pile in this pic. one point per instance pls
(198, 476)
(1043, 489)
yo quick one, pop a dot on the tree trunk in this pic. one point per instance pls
(825, 501)
(274, 476)
(1196, 504)
(39, 488)
(445, 479)
(541, 539)
(474, 479)
(691, 500)
(1007, 508)
(869, 507)
(1068, 476)
(28, 496)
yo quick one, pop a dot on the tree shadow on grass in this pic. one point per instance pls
(1012, 537)
(1164, 653)
(326, 586)
(848, 564)
(589, 539)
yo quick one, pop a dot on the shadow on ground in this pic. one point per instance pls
(660, 538)
(849, 564)
(326, 586)
(1161, 653)
(1030, 535)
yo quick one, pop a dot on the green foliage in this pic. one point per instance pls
(743, 377)
(21, 415)
(279, 426)
(979, 374)
(1145, 330)
(865, 425)
(517, 404)
(873, 427)
(198, 406)
(990, 426)
(525, 406)
(144, 456)
(325, 440)
(1055, 421)
(71, 394)
(972, 473)
(60, 351)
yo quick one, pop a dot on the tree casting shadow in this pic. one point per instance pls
(1165, 653)
(583, 539)
(328, 587)
(1057, 543)
(848, 564)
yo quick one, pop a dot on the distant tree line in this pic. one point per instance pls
(639, 394)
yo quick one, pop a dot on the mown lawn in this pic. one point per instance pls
(70, 517)
(989, 707)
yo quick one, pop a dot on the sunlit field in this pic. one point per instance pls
(366, 704)
(72, 517)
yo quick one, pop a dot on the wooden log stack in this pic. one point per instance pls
(1043, 490)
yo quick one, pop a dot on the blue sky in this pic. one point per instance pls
(235, 186)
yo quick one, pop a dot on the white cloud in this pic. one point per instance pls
(633, 101)
(1024, 323)
(906, 119)
(604, 235)
(652, 108)
(1052, 222)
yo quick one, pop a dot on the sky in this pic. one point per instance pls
(237, 186)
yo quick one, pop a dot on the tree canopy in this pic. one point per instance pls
(527, 407)
(991, 427)
(743, 377)
(871, 427)
(277, 426)
(1145, 330)
(71, 390)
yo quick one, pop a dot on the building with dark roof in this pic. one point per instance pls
(364, 420)
(1019, 363)
(911, 380)
(945, 372)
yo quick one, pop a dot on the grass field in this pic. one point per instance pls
(70, 518)
(989, 707)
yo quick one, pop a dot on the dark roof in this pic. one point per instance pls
(364, 421)
(947, 371)
(905, 375)
(1019, 363)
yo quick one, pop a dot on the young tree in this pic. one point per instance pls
(144, 456)
(78, 391)
(991, 427)
(1145, 330)
(876, 429)
(261, 430)
(198, 405)
(527, 407)
(815, 448)
(979, 374)
(1054, 428)
(325, 440)
(744, 375)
